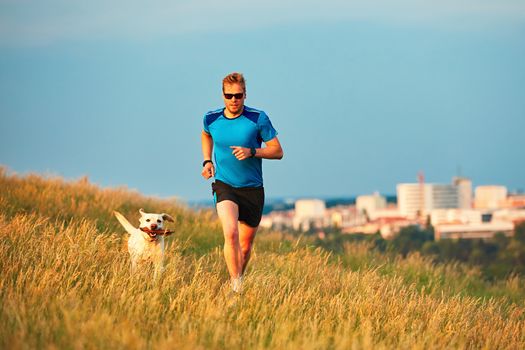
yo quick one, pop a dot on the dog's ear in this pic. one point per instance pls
(167, 217)
(141, 211)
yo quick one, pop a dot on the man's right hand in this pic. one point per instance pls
(208, 171)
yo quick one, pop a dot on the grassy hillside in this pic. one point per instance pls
(66, 284)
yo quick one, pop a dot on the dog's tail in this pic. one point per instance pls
(129, 228)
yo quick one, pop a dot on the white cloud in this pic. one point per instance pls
(33, 22)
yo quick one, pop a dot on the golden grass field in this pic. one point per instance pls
(66, 284)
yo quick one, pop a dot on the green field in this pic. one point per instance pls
(66, 284)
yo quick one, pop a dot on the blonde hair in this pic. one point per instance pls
(234, 78)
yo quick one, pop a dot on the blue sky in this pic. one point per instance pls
(363, 96)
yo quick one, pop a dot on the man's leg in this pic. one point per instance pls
(246, 237)
(228, 213)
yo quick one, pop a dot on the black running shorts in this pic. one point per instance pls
(249, 199)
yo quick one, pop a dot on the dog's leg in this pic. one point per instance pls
(159, 269)
(133, 265)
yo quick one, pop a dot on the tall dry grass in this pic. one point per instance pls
(63, 201)
(66, 285)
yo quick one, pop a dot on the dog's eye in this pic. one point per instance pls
(158, 221)
(148, 220)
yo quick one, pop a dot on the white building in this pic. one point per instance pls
(413, 198)
(309, 213)
(464, 187)
(472, 231)
(278, 220)
(369, 204)
(510, 215)
(444, 196)
(455, 216)
(490, 197)
(422, 198)
(344, 216)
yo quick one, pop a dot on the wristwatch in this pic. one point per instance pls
(252, 151)
(206, 162)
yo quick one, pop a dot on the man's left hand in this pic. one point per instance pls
(241, 153)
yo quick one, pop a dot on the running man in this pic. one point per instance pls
(234, 135)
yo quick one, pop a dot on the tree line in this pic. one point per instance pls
(497, 258)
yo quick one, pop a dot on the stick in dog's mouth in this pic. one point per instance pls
(155, 233)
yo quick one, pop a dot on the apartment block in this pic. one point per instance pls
(421, 198)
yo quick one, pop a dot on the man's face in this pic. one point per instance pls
(233, 105)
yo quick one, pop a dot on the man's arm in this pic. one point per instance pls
(273, 150)
(208, 169)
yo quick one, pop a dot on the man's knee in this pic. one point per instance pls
(246, 248)
(231, 235)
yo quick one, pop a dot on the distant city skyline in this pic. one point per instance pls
(364, 96)
(454, 210)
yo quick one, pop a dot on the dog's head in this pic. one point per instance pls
(152, 223)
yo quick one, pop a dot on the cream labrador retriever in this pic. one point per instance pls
(146, 243)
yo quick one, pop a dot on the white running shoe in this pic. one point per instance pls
(236, 284)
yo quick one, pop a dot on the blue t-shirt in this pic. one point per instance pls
(247, 130)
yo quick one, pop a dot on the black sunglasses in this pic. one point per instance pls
(237, 96)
